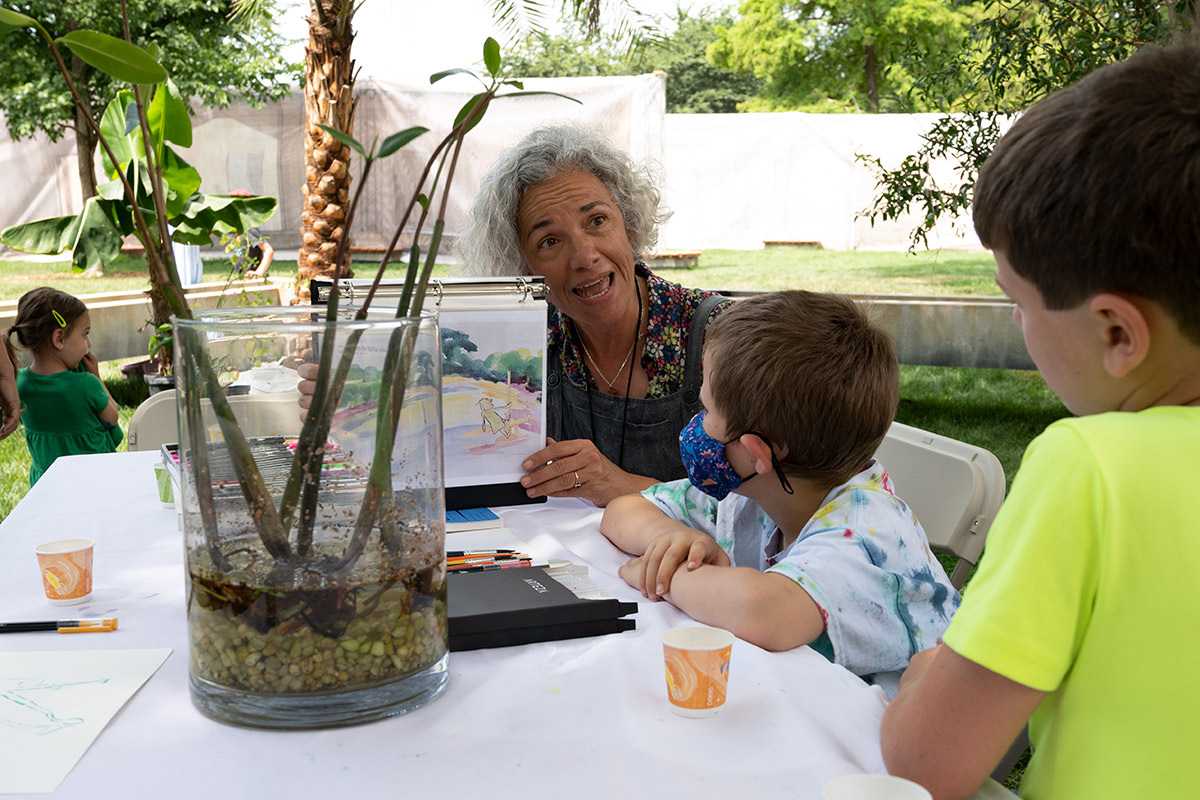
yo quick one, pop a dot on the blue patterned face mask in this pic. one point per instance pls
(707, 467)
(704, 459)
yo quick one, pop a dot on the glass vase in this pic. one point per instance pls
(315, 551)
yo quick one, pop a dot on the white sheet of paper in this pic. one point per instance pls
(53, 705)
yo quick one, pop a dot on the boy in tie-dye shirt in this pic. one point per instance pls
(787, 531)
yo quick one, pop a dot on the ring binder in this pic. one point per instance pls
(499, 326)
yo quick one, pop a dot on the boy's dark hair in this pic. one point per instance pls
(40, 312)
(812, 373)
(1097, 187)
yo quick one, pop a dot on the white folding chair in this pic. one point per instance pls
(953, 487)
(154, 423)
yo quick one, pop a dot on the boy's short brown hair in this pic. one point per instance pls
(811, 372)
(1097, 187)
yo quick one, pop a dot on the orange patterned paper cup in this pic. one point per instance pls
(66, 567)
(697, 662)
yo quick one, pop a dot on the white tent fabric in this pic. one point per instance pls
(732, 180)
(737, 180)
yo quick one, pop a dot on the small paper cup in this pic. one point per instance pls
(697, 661)
(874, 787)
(66, 567)
(166, 489)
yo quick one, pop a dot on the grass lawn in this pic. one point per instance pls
(945, 273)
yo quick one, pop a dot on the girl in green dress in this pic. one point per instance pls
(66, 409)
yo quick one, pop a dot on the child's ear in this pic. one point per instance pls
(58, 338)
(1126, 332)
(759, 450)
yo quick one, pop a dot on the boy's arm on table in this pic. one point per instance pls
(763, 608)
(641, 528)
(952, 721)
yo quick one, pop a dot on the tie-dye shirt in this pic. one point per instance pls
(863, 558)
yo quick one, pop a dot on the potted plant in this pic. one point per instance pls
(315, 559)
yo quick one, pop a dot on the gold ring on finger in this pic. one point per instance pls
(578, 483)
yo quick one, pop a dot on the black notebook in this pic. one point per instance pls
(506, 607)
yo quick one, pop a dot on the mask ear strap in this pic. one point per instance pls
(783, 481)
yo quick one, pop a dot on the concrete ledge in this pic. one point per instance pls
(948, 330)
(672, 260)
(793, 244)
(119, 328)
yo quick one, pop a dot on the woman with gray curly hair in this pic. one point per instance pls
(624, 346)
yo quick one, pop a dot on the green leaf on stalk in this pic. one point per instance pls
(491, 55)
(168, 116)
(437, 76)
(467, 108)
(397, 140)
(517, 84)
(344, 138)
(11, 20)
(120, 59)
(531, 94)
(15, 19)
(423, 199)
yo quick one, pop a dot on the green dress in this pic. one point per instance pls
(60, 417)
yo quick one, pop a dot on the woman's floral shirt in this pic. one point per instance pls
(665, 353)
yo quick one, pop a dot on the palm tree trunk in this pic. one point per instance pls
(328, 100)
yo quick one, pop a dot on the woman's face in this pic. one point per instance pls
(573, 234)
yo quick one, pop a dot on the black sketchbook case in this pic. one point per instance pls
(504, 607)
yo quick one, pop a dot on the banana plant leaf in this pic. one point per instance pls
(90, 235)
(207, 214)
(168, 116)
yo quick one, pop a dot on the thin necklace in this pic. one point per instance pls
(628, 387)
(612, 388)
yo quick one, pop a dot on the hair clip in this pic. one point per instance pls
(62, 323)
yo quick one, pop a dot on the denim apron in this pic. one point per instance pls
(649, 428)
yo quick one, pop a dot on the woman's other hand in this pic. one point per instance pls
(555, 470)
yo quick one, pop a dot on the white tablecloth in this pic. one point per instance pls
(582, 718)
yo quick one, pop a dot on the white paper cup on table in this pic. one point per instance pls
(66, 567)
(874, 787)
(697, 662)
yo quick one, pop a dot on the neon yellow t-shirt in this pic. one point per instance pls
(1089, 589)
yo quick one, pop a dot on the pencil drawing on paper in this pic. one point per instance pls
(492, 374)
(25, 704)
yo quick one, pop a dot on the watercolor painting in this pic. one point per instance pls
(493, 373)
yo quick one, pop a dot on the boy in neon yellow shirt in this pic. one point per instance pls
(1082, 617)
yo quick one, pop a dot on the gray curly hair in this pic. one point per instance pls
(491, 247)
